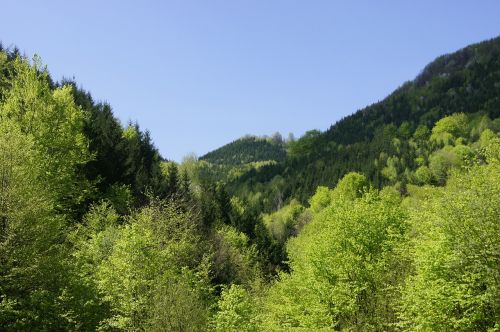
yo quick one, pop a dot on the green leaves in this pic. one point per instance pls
(368, 262)
(54, 123)
(450, 128)
(457, 250)
(151, 271)
(236, 311)
(341, 264)
(31, 253)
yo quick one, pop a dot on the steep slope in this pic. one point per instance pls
(466, 81)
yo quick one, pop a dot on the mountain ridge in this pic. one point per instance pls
(466, 81)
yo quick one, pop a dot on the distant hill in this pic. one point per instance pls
(248, 149)
(466, 81)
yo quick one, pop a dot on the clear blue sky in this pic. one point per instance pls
(199, 74)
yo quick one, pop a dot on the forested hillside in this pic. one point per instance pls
(387, 221)
(249, 149)
(377, 138)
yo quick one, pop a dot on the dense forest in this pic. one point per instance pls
(387, 221)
